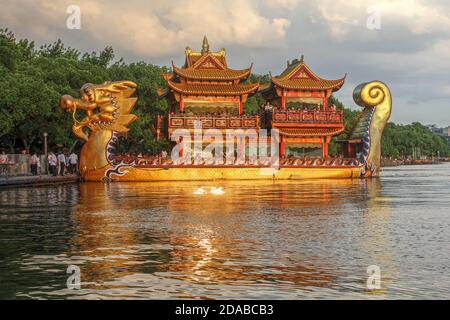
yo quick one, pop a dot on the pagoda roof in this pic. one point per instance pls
(298, 76)
(209, 65)
(193, 57)
(310, 132)
(212, 73)
(213, 89)
(209, 75)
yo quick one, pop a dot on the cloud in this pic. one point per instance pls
(283, 4)
(418, 16)
(152, 28)
(410, 52)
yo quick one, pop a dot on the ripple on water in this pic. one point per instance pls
(256, 240)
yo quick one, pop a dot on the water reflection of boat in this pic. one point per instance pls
(131, 231)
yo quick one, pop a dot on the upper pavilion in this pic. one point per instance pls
(205, 84)
(299, 84)
(305, 124)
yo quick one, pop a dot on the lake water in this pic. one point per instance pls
(261, 240)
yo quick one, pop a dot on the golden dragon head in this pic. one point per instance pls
(107, 107)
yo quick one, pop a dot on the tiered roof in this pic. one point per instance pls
(207, 73)
(298, 76)
(213, 89)
(310, 132)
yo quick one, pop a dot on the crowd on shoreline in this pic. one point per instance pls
(25, 164)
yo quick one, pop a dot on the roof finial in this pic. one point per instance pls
(205, 46)
(301, 58)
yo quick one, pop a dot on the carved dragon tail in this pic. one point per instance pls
(376, 99)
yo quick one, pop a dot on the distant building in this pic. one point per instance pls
(443, 132)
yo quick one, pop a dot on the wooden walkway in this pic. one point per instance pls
(25, 181)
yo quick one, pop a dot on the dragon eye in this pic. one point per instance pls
(90, 95)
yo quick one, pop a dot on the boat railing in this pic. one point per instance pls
(307, 116)
(158, 161)
(213, 121)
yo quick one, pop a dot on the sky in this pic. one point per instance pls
(404, 43)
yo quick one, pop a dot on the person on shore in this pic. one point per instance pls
(35, 164)
(62, 163)
(4, 163)
(23, 163)
(52, 163)
(73, 163)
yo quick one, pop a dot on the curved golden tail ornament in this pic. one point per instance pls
(376, 97)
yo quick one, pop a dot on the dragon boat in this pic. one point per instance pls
(206, 91)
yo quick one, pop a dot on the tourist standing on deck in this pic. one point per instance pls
(268, 107)
(62, 163)
(52, 163)
(35, 164)
(73, 163)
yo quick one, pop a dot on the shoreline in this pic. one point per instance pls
(397, 163)
(43, 180)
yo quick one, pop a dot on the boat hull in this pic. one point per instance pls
(131, 174)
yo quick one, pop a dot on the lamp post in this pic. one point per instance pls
(46, 152)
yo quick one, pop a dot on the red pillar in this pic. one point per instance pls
(283, 102)
(181, 104)
(282, 146)
(325, 148)
(325, 103)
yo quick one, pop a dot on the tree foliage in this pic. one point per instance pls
(33, 79)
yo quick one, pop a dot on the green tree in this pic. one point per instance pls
(33, 79)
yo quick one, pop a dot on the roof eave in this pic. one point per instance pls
(250, 90)
(245, 73)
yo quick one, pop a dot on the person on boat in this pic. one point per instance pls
(268, 107)
(180, 152)
(261, 108)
